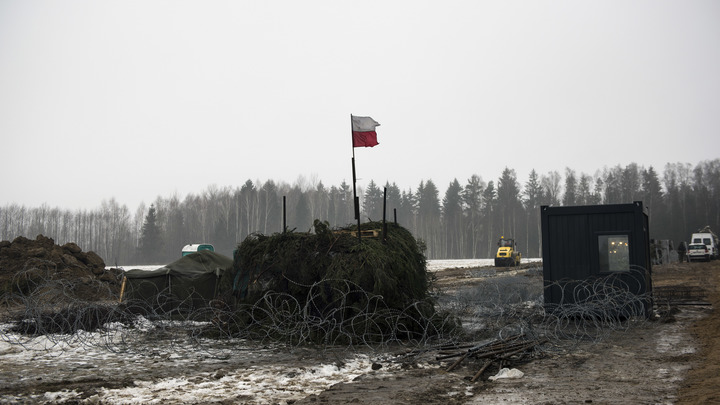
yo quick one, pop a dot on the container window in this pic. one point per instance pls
(614, 253)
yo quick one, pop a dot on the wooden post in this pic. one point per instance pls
(384, 230)
(122, 289)
(284, 217)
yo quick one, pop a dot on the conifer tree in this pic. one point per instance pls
(533, 201)
(151, 239)
(489, 211)
(394, 199)
(372, 202)
(653, 198)
(583, 190)
(452, 220)
(508, 198)
(570, 196)
(472, 202)
(302, 214)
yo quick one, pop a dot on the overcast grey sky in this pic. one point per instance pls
(135, 99)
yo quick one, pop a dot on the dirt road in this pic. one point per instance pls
(702, 383)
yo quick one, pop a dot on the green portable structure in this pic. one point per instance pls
(189, 282)
(197, 247)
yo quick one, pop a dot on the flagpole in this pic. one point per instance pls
(352, 138)
(356, 201)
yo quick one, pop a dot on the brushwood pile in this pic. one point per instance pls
(333, 276)
(393, 268)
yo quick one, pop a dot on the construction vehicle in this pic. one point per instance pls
(507, 254)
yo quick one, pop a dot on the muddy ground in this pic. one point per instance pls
(674, 359)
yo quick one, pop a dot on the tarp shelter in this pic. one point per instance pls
(191, 281)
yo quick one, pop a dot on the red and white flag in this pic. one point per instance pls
(363, 131)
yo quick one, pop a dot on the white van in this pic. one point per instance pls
(707, 239)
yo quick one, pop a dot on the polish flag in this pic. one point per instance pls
(363, 131)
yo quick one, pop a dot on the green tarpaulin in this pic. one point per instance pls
(192, 280)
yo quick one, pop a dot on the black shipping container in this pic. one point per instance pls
(593, 241)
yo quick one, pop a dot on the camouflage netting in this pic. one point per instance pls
(372, 288)
(290, 262)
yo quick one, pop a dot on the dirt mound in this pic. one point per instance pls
(31, 267)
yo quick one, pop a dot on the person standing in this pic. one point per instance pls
(682, 250)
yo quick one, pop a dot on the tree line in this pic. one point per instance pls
(464, 222)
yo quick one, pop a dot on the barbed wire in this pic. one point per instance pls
(500, 306)
(586, 310)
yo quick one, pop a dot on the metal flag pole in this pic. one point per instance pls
(356, 200)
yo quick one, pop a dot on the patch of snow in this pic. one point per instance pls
(432, 265)
(167, 372)
(148, 267)
(437, 265)
(61, 396)
(257, 385)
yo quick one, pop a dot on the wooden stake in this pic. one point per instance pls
(484, 367)
(122, 289)
(457, 362)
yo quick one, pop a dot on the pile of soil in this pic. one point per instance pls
(31, 267)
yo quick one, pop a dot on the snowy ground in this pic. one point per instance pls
(169, 372)
(435, 265)
(119, 366)
(645, 363)
(432, 265)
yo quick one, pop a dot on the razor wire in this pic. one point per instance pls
(593, 308)
(588, 310)
(498, 306)
(365, 320)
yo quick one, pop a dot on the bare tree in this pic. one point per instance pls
(551, 188)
